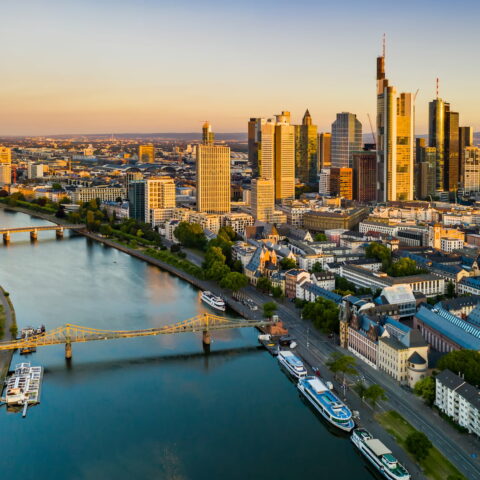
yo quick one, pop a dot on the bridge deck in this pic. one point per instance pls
(39, 228)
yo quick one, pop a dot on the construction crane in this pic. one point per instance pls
(371, 129)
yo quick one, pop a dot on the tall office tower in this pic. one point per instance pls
(208, 137)
(254, 143)
(136, 199)
(436, 137)
(365, 176)
(159, 195)
(324, 150)
(465, 139)
(425, 170)
(341, 182)
(132, 175)
(284, 158)
(263, 199)
(5, 154)
(346, 139)
(306, 158)
(452, 125)
(266, 151)
(5, 174)
(324, 181)
(213, 176)
(146, 153)
(404, 139)
(471, 169)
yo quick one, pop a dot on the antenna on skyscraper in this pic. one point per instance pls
(437, 86)
(384, 45)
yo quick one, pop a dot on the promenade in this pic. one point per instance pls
(6, 356)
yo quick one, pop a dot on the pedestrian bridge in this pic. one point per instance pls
(69, 334)
(59, 229)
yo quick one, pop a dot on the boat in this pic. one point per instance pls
(326, 402)
(27, 333)
(213, 301)
(292, 363)
(23, 387)
(379, 455)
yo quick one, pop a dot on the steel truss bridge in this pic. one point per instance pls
(69, 334)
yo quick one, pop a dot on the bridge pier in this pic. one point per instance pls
(59, 233)
(6, 237)
(68, 350)
(33, 235)
(206, 339)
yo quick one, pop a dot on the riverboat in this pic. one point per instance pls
(213, 301)
(27, 333)
(292, 364)
(326, 403)
(23, 387)
(379, 455)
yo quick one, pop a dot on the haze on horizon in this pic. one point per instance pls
(106, 66)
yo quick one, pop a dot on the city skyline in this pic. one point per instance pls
(88, 76)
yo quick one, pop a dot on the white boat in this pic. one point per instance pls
(213, 301)
(24, 385)
(326, 403)
(292, 363)
(379, 455)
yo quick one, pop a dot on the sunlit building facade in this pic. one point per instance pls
(306, 158)
(146, 153)
(471, 169)
(324, 150)
(263, 199)
(346, 139)
(5, 154)
(284, 158)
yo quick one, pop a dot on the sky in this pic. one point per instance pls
(141, 66)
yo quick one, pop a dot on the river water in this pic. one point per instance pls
(149, 407)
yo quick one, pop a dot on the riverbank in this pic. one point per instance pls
(10, 332)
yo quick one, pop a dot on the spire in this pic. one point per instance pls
(437, 87)
(307, 119)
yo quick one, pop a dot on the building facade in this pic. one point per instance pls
(346, 139)
(306, 158)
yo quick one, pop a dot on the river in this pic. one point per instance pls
(149, 407)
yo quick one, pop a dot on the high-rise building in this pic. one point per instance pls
(346, 139)
(266, 152)
(465, 139)
(132, 175)
(284, 158)
(443, 134)
(471, 169)
(208, 137)
(159, 195)
(394, 140)
(136, 199)
(324, 150)
(254, 143)
(365, 176)
(426, 172)
(324, 182)
(213, 176)
(263, 199)
(5, 154)
(341, 182)
(5, 174)
(306, 159)
(146, 153)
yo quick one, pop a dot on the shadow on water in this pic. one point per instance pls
(198, 360)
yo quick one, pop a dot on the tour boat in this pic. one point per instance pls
(24, 385)
(292, 363)
(379, 455)
(326, 402)
(213, 301)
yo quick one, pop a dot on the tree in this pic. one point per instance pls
(175, 248)
(288, 263)
(139, 233)
(277, 292)
(379, 251)
(56, 186)
(344, 287)
(216, 271)
(451, 290)
(425, 388)
(340, 363)
(269, 308)
(466, 362)
(190, 235)
(214, 255)
(234, 281)
(418, 445)
(404, 267)
(320, 237)
(323, 313)
(317, 267)
(374, 393)
(264, 284)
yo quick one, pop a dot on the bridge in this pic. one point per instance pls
(59, 229)
(69, 334)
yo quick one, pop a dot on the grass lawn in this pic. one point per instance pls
(435, 466)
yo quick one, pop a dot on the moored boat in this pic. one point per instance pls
(326, 403)
(213, 301)
(23, 387)
(292, 364)
(379, 455)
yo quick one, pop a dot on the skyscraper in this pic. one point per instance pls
(306, 158)
(471, 168)
(452, 154)
(254, 142)
(136, 199)
(394, 140)
(346, 139)
(263, 199)
(5, 174)
(365, 176)
(426, 172)
(324, 150)
(465, 139)
(213, 176)
(5, 154)
(159, 195)
(208, 137)
(266, 151)
(146, 153)
(284, 158)
(341, 182)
